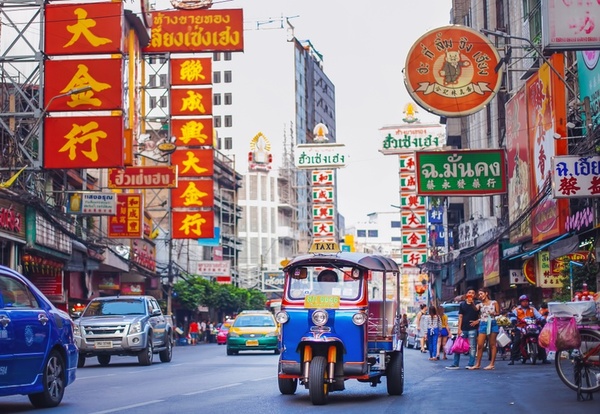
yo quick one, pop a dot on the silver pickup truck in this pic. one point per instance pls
(124, 325)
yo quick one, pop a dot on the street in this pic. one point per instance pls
(203, 379)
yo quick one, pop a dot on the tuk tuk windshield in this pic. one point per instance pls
(345, 282)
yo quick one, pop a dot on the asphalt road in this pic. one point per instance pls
(203, 379)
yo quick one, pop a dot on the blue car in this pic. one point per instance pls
(38, 355)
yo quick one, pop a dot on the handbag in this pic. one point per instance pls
(461, 346)
(448, 346)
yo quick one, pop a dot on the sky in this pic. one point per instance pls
(364, 47)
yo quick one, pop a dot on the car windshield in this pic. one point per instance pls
(312, 281)
(254, 321)
(115, 307)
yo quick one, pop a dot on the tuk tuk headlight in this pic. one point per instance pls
(319, 317)
(282, 317)
(359, 318)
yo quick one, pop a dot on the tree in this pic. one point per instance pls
(588, 273)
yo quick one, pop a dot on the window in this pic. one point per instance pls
(228, 121)
(228, 143)
(216, 56)
(216, 77)
(152, 102)
(396, 239)
(372, 233)
(227, 76)
(361, 233)
(227, 56)
(152, 81)
(217, 121)
(217, 99)
(162, 80)
(395, 224)
(228, 99)
(219, 145)
(163, 102)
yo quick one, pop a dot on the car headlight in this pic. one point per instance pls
(76, 330)
(359, 318)
(233, 335)
(282, 317)
(319, 317)
(135, 327)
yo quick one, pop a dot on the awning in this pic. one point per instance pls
(537, 249)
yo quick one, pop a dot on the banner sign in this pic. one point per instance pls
(214, 268)
(97, 204)
(320, 156)
(143, 177)
(466, 172)
(127, 223)
(575, 176)
(409, 138)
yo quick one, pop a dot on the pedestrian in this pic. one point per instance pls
(194, 332)
(468, 324)
(421, 328)
(444, 332)
(434, 324)
(403, 327)
(203, 333)
(488, 328)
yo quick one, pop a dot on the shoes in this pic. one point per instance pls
(473, 367)
(453, 367)
(511, 363)
(445, 358)
(432, 359)
(489, 367)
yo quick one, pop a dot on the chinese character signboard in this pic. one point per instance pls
(322, 178)
(575, 176)
(83, 142)
(414, 238)
(453, 173)
(405, 139)
(323, 195)
(194, 162)
(191, 101)
(570, 25)
(84, 28)
(128, 222)
(323, 212)
(187, 31)
(143, 177)
(193, 224)
(320, 156)
(191, 71)
(451, 71)
(193, 193)
(195, 132)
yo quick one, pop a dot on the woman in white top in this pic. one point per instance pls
(433, 325)
(488, 328)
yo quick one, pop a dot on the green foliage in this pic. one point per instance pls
(223, 298)
(581, 274)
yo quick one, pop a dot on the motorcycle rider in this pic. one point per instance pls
(524, 310)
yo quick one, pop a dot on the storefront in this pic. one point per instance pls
(12, 233)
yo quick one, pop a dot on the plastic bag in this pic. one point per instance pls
(567, 334)
(461, 345)
(547, 338)
(448, 346)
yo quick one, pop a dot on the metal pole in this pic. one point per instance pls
(571, 263)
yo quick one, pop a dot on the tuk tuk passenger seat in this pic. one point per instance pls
(376, 318)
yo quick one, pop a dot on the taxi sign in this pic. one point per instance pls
(324, 247)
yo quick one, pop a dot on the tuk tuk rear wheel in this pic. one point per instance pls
(395, 374)
(318, 388)
(287, 386)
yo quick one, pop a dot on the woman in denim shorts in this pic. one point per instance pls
(488, 328)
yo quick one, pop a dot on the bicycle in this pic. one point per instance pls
(579, 368)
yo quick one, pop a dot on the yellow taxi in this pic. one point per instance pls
(253, 330)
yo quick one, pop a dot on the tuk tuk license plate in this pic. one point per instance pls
(252, 342)
(103, 344)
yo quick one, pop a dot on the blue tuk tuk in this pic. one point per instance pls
(340, 320)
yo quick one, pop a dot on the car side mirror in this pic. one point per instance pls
(156, 312)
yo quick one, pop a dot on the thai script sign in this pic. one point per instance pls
(570, 25)
(188, 31)
(469, 172)
(272, 281)
(409, 138)
(143, 177)
(451, 71)
(97, 204)
(320, 156)
(575, 176)
(214, 268)
(143, 253)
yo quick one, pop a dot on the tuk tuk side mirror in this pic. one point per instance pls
(356, 273)
(300, 273)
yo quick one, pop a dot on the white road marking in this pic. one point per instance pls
(265, 378)
(213, 389)
(127, 407)
(95, 376)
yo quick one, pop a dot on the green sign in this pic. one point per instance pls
(461, 173)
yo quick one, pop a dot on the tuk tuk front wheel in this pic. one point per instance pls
(318, 388)
(287, 386)
(395, 374)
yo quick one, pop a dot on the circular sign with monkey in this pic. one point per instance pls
(453, 71)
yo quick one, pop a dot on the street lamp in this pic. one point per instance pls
(571, 263)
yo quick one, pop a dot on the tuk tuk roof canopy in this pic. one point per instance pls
(364, 260)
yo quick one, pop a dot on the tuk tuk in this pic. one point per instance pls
(340, 320)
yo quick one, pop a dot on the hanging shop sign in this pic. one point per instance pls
(416, 238)
(97, 204)
(323, 195)
(214, 268)
(451, 71)
(191, 71)
(412, 201)
(12, 218)
(413, 218)
(570, 25)
(193, 193)
(414, 257)
(143, 253)
(320, 156)
(193, 224)
(194, 162)
(197, 132)
(320, 178)
(575, 176)
(151, 176)
(188, 31)
(324, 229)
(404, 139)
(461, 173)
(191, 101)
(407, 162)
(323, 212)
(127, 223)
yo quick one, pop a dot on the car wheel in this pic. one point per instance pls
(277, 351)
(167, 354)
(53, 381)
(318, 387)
(145, 357)
(287, 386)
(395, 374)
(229, 351)
(80, 361)
(104, 360)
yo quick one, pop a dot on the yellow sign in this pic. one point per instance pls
(324, 247)
(321, 301)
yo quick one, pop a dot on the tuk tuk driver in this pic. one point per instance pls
(330, 279)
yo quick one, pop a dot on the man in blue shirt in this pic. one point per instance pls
(468, 326)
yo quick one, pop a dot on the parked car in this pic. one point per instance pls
(223, 331)
(451, 310)
(412, 340)
(124, 325)
(38, 355)
(253, 331)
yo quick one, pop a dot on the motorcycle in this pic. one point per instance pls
(529, 347)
